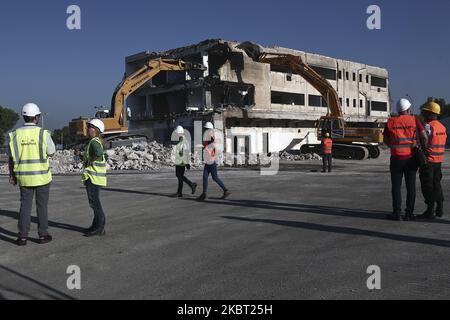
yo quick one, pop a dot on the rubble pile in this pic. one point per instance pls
(143, 156)
(299, 157)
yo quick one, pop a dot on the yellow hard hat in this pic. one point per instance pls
(432, 107)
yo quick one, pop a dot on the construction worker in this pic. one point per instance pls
(401, 135)
(182, 161)
(29, 149)
(327, 150)
(431, 173)
(94, 176)
(210, 158)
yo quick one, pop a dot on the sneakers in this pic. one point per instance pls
(226, 194)
(176, 195)
(45, 239)
(42, 240)
(21, 242)
(194, 188)
(97, 232)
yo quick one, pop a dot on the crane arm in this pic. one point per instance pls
(135, 81)
(297, 65)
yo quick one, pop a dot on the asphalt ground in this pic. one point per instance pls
(299, 234)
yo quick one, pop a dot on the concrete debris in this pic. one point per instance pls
(299, 157)
(145, 156)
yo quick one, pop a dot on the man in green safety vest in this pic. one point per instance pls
(29, 149)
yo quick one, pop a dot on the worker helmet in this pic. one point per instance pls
(403, 105)
(30, 110)
(432, 107)
(97, 123)
(179, 130)
(209, 125)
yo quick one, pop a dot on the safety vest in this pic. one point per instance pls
(28, 148)
(402, 131)
(96, 171)
(436, 145)
(327, 146)
(210, 154)
(181, 154)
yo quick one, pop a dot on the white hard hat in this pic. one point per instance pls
(209, 125)
(30, 110)
(98, 124)
(403, 105)
(179, 130)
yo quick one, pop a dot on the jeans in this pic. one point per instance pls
(430, 179)
(327, 162)
(26, 202)
(408, 169)
(211, 169)
(93, 193)
(180, 170)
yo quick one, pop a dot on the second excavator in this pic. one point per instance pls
(351, 141)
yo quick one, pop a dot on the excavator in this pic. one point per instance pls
(115, 121)
(350, 140)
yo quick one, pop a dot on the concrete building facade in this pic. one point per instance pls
(259, 108)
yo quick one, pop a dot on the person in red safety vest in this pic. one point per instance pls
(404, 133)
(327, 150)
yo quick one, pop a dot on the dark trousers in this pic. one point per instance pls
(430, 180)
(180, 170)
(211, 169)
(327, 160)
(26, 202)
(400, 169)
(93, 193)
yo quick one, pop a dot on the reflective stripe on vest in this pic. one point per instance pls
(436, 145)
(327, 146)
(96, 171)
(29, 152)
(402, 131)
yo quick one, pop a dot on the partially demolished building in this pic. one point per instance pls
(259, 108)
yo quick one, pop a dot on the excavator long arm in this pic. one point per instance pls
(141, 77)
(296, 65)
(116, 124)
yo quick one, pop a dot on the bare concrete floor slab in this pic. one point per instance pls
(297, 235)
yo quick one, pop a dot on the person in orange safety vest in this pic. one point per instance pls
(431, 173)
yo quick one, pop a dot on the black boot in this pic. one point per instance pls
(429, 213)
(439, 209)
(409, 216)
(194, 188)
(395, 216)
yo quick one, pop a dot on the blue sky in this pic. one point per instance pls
(69, 72)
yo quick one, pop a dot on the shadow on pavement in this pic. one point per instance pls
(347, 230)
(49, 292)
(52, 224)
